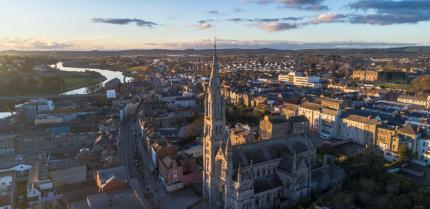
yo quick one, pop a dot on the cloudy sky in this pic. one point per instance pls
(178, 24)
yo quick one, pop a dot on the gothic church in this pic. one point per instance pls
(269, 173)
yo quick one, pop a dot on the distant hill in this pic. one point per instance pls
(404, 51)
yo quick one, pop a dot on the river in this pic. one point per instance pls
(108, 74)
(4, 115)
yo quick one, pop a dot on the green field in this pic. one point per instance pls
(70, 83)
(73, 83)
(404, 86)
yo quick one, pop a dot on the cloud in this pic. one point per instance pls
(276, 44)
(277, 26)
(262, 20)
(215, 12)
(125, 21)
(204, 24)
(328, 18)
(270, 24)
(32, 44)
(104, 43)
(237, 10)
(310, 5)
(389, 12)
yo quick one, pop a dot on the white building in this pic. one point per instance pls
(359, 129)
(322, 120)
(423, 151)
(421, 101)
(29, 110)
(195, 151)
(6, 190)
(40, 188)
(298, 79)
(312, 112)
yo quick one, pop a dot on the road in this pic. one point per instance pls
(137, 162)
(130, 157)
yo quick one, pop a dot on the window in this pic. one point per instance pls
(257, 201)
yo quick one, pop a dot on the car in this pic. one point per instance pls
(148, 194)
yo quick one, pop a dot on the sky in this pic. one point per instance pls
(183, 24)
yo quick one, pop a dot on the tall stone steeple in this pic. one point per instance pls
(214, 132)
(214, 105)
(214, 102)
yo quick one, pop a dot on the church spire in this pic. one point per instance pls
(214, 133)
(214, 80)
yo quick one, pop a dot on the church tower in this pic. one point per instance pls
(214, 135)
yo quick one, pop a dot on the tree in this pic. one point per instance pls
(404, 153)
(421, 84)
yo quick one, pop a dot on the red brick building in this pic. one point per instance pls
(179, 171)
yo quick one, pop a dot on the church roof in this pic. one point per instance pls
(267, 183)
(269, 149)
(286, 163)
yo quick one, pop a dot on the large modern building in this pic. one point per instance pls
(364, 75)
(269, 173)
(28, 111)
(298, 79)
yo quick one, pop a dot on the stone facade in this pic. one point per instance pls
(271, 173)
(359, 129)
(365, 75)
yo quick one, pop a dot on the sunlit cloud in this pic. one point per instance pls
(125, 21)
(327, 18)
(389, 12)
(204, 24)
(310, 5)
(32, 44)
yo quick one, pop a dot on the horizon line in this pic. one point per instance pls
(203, 49)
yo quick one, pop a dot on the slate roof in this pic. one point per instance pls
(409, 130)
(116, 172)
(361, 119)
(311, 106)
(328, 111)
(267, 150)
(291, 107)
(393, 120)
(275, 119)
(267, 183)
(424, 99)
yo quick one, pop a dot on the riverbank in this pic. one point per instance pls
(76, 83)
(124, 70)
(66, 82)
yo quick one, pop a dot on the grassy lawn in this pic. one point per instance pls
(404, 86)
(76, 82)
(70, 83)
